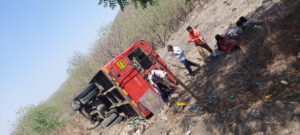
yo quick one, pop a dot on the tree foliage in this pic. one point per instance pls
(155, 24)
(122, 3)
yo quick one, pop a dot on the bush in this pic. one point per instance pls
(39, 119)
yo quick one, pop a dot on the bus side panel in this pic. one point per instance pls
(136, 87)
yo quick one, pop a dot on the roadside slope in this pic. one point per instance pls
(262, 60)
(270, 57)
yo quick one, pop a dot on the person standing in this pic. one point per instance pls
(179, 54)
(195, 36)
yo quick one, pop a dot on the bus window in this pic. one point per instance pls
(140, 60)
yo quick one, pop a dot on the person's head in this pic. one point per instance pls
(243, 19)
(189, 29)
(239, 23)
(170, 48)
(218, 37)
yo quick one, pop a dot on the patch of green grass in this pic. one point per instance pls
(39, 119)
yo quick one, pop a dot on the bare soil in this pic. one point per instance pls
(249, 74)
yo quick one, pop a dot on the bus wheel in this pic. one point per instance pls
(107, 121)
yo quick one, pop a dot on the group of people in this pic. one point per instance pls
(194, 36)
(245, 30)
(158, 78)
(226, 44)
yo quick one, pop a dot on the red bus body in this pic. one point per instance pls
(125, 74)
(119, 89)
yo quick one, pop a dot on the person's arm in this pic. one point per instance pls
(190, 39)
(202, 40)
(150, 80)
(199, 37)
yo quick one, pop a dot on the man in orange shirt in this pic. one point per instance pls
(195, 36)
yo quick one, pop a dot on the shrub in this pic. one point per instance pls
(39, 119)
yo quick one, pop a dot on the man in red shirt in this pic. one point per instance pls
(195, 36)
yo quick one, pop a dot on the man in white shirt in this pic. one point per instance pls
(163, 76)
(179, 54)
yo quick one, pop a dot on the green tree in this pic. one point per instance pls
(122, 3)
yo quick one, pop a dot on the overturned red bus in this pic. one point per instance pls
(119, 90)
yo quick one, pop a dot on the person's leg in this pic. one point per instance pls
(187, 66)
(164, 97)
(201, 51)
(192, 63)
(207, 48)
(167, 106)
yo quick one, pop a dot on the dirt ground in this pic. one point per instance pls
(272, 56)
(241, 90)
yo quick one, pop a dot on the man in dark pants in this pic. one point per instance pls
(195, 36)
(160, 88)
(179, 54)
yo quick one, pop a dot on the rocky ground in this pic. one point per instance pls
(242, 90)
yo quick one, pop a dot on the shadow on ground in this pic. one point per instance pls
(250, 74)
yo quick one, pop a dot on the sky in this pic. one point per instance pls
(37, 39)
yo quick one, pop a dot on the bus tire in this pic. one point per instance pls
(107, 121)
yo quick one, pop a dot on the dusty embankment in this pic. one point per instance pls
(266, 60)
(271, 56)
